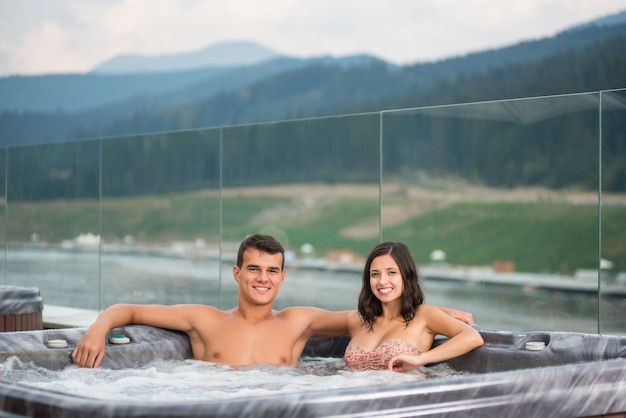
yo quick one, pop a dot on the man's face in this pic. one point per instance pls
(260, 276)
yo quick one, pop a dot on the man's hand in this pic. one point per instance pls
(460, 315)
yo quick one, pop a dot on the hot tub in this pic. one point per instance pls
(20, 308)
(514, 375)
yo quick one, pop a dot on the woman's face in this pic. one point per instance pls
(385, 278)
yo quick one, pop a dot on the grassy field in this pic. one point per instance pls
(536, 236)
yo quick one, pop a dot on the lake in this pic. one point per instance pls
(71, 278)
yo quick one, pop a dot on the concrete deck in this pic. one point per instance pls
(63, 317)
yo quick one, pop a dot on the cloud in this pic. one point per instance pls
(50, 40)
(4, 63)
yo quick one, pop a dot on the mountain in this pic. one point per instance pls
(227, 54)
(77, 92)
(78, 106)
(323, 90)
(327, 86)
(74, 93)
(610, 20)
(117, 81)
(575, 38)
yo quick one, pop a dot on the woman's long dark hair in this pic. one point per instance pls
(412, 297)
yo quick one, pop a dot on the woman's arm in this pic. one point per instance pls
(461, 339)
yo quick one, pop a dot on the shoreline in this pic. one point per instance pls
(437, 272)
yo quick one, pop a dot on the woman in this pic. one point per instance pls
(393, 329)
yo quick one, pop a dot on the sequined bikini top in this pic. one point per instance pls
(358, 359)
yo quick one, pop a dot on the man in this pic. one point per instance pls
(251, 333)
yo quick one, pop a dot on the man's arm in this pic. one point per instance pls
(328, 324)
(89, 351)
(321, 323)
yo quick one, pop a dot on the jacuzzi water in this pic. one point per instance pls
(573, 374)
(188, 380)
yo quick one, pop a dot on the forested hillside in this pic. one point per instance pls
(328, 90)
(584, 60)
(90, 106)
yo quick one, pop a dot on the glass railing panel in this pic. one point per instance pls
(3, 208)
(160, 218)
(52, 221)
(498, 203)
(314, 185)
(613, 214)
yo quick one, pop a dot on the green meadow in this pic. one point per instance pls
(537, 237)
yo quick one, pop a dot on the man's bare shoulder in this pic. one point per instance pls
(193, 306)
(200, 317)
(319, 322)
(198, 309)
(308, 314)
(354, 317)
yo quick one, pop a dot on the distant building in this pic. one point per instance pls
(343, 257)
(503, 266)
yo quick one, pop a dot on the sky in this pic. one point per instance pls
(74, 36)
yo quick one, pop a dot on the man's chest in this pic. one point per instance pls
(245, 344)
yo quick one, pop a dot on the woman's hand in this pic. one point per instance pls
(404, 363)
(89, 351)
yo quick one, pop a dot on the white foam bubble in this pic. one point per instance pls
(177, 381)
